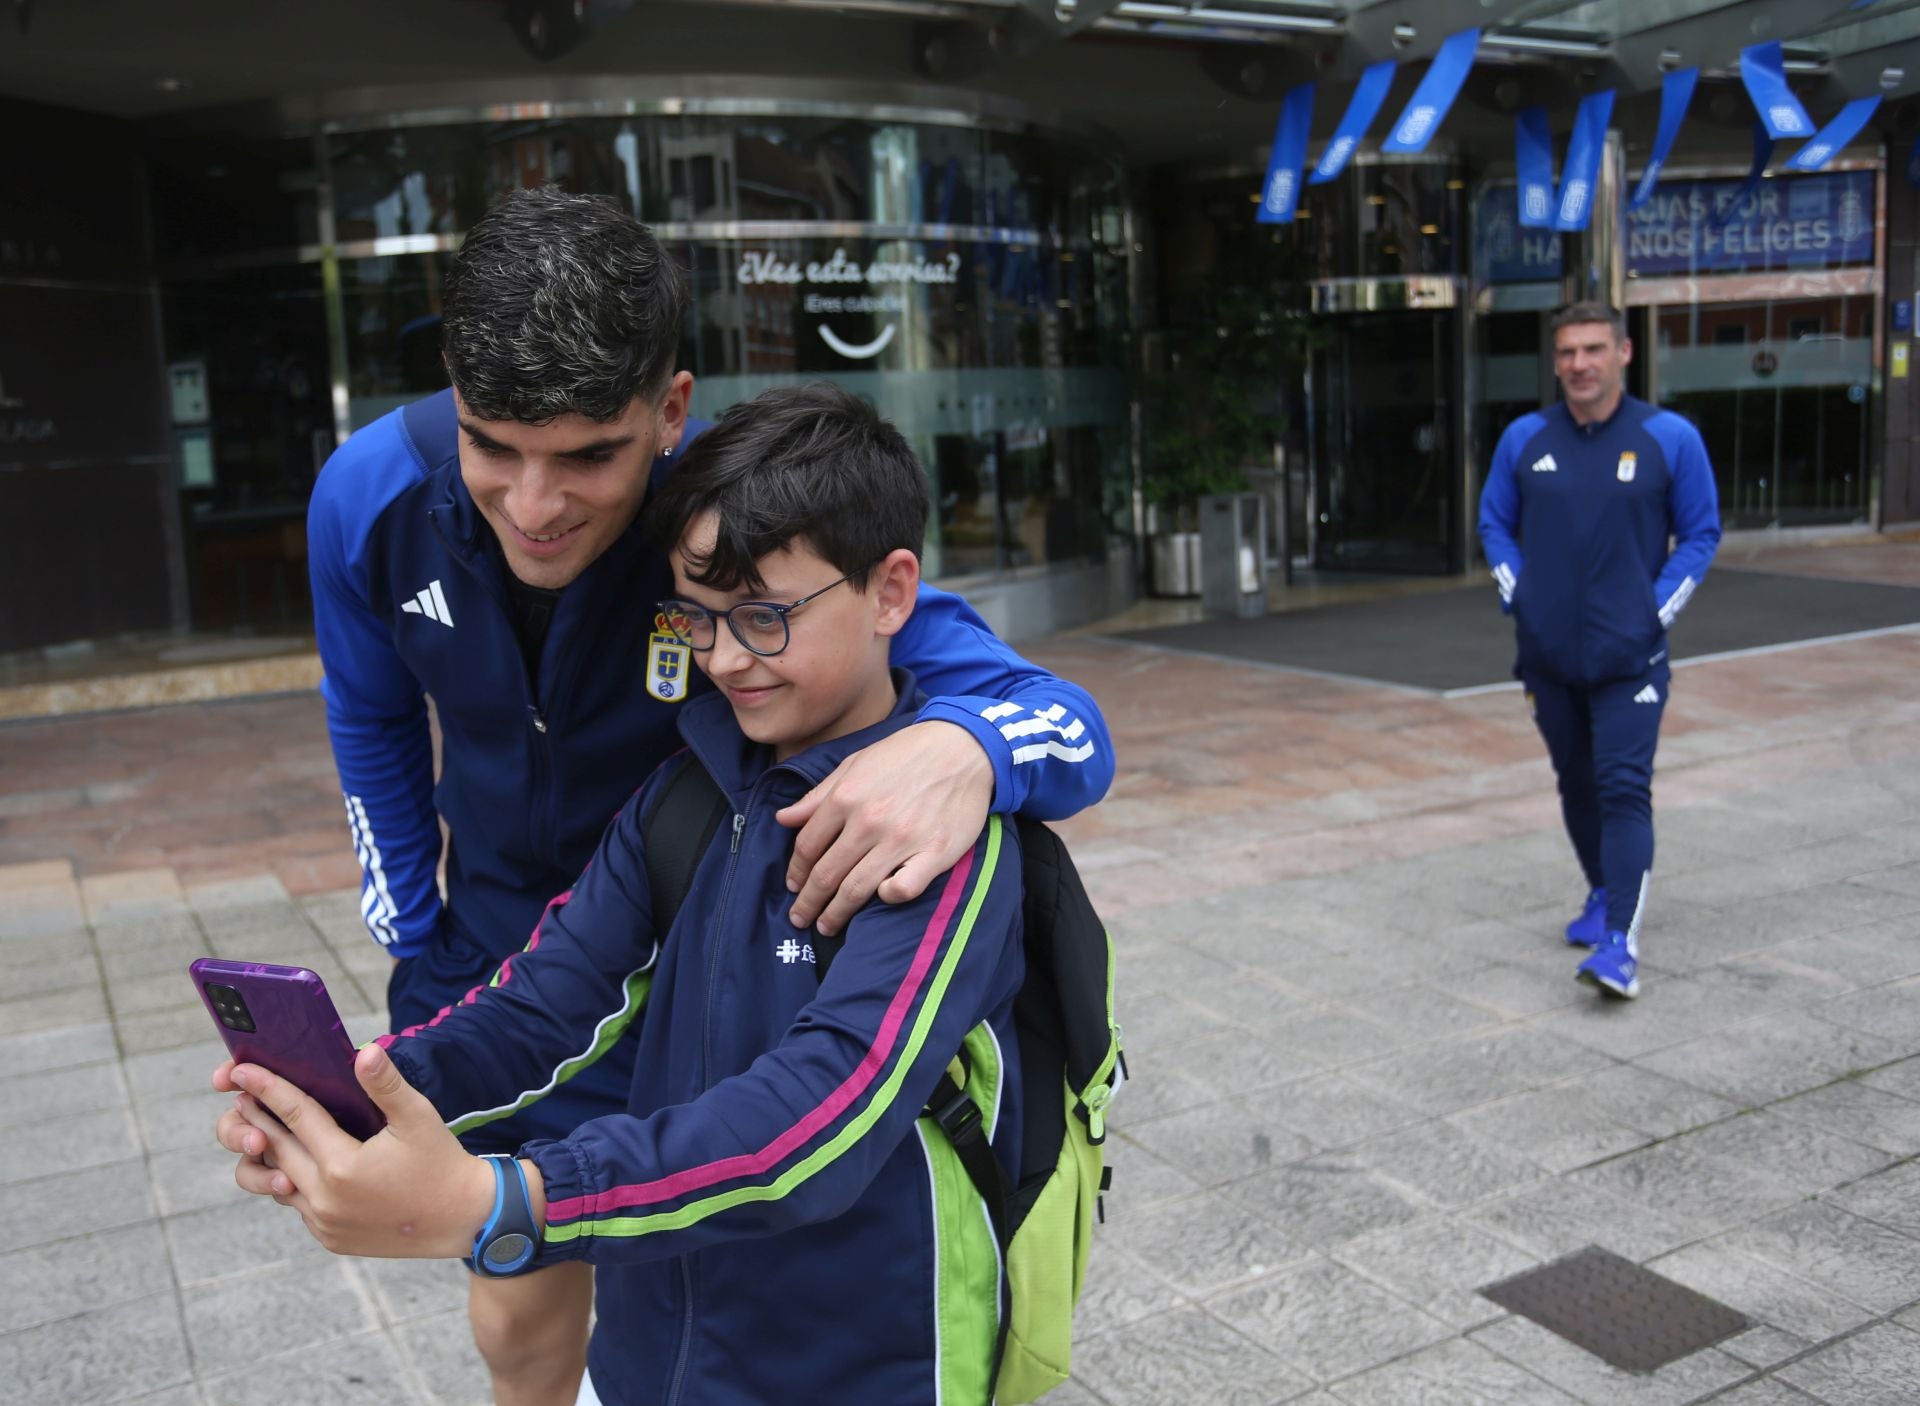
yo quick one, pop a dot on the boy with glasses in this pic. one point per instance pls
(773, 1219)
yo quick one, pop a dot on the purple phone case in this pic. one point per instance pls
(297, 1035)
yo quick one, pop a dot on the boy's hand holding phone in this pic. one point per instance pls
(409, 1192)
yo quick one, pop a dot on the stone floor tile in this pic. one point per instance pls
(1855, 1109)
(1140, 1178)
(1456, 1373)
(1550, 1219)
(363, 1368)
(83, 1089)
(442, 1352)
(1770, 1296)
(1182, 1357)
(1326, 1200)
(1119, 1290)
(308, 1302)
(1437, 1264)
(1424, 1013)
(1854, 955)
(1205, 1243)
(1328, 1320)
(64, 1144)
(1769, 1058)
(404, 1290)
(183, 1121)
(1072, 1393)
(1768, 1391)
(165, 1029)
(1220, 1143)
(38, 874)
(1557, 1128)
(1333, 1112)
(1232, 1061)
(47, 1010)
(1326, 1038)
(1764, 1347)
(1707, 1194)
(130, 894)
(1803, 1157)
(154, 930)
(1858, 1259)
(65, 1204)
(109, 1354)
(1153, 1025)
(1450, 1075)
(45, 1050)
(170, 1073)
(1645, 1101)
(167, 956)
(1515, 988)
(1891, 1011)
(193, 1177)
(1890, 1198)
(50, 1282)
(1586, 1378)
(1445, 1165)
(240, 1236)
(1878, 1367)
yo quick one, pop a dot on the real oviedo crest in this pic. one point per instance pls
(1628, 463)
(668, 664)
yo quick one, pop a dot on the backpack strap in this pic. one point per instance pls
(959, 1118)
(676, 832)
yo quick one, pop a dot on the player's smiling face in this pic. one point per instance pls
(558, 495)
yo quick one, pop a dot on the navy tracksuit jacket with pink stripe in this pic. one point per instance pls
(770, 1220)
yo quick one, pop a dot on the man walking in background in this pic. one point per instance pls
(1612, 502)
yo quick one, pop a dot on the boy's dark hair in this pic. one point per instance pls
(811, 461)
(560, 303)
(1592, 310)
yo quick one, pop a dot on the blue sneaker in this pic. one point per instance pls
(1590, 928)
(1614, 967)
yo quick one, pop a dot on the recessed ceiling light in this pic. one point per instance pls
(170, 85)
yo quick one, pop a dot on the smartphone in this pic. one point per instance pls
(282, 1019)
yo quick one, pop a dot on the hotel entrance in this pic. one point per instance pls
(1385, 441)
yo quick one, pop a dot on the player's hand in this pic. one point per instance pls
(410, 1191)
(889, 820)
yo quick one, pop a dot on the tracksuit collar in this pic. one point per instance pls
(737, 763)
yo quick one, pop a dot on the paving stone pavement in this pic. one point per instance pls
(1365, 1081)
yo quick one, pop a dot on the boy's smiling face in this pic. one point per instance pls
(832, 677)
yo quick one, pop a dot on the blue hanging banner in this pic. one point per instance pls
(1913, 163)
(1763, 70)
(1533, 162)
(1737, 202)
(1827, 142)
(1362, 108)
(1427, 109)
(1584, 150)
(1280, 196)
(1676, 91)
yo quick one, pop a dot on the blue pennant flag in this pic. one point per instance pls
(1827, 142)
(1533, 162)
(1763, 70)
(1676, 91)
(1280, 196)
(1762, 153)
(1362, 108)
(1584, 150)
(1427, 109)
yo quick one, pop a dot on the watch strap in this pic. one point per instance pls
(509, 1241)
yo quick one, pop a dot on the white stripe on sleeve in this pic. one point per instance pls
(377, 908)
(1671, 610)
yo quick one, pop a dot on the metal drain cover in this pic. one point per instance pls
(1622, 1314)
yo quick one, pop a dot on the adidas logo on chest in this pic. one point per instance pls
(431, 602)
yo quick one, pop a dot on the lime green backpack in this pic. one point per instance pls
(1071, 1065)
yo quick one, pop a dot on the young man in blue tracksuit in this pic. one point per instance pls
(773, 1219)
(1592, 490)
(482, 547)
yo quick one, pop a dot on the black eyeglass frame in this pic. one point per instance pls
(686, 607)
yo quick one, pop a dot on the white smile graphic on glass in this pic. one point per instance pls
(858, 351)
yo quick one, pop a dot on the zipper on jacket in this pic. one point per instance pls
(686, 1332)
(713, 952)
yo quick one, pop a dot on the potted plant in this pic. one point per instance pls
(1216, 408)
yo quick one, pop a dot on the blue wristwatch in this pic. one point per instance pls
(509, 1241)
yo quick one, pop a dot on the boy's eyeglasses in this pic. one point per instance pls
(759, 625)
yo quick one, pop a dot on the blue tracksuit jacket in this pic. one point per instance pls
(1593, 506)
(770, 1221)
(410, 601)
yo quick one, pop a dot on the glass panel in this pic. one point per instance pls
(391, 313)
(1781, 392)
(1804, 222)
(231, 194)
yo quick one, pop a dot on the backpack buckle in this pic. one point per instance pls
(958, 1117)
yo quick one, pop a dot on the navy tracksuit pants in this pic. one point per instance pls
(1602, 739)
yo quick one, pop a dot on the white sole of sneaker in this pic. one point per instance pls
(1609, 988)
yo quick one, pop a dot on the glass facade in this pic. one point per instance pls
(970, 282)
